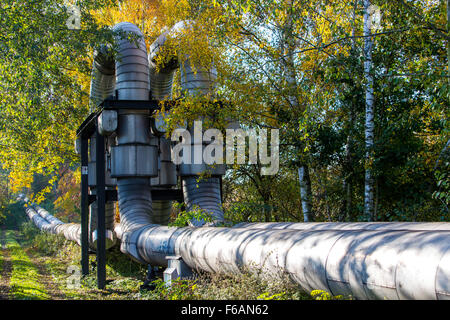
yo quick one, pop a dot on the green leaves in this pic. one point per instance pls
(44, 77)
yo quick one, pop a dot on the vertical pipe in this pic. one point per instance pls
(84, 208)
(101, 204)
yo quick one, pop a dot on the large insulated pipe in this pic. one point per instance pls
(47, 216)
(134, 159)
(71, 231)
(197, 192)
(103, 78)
(366, 264)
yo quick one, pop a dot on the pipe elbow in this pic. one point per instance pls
(132, 69)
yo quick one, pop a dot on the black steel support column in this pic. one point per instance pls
(101, 200)
(221, 189)
(84, 208)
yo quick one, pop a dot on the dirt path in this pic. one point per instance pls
(46, 278)
(5, 274)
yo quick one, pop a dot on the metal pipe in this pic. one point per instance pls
(134, 139)
(47, 216)
(70, 231)
(103, 80)
(367, 264)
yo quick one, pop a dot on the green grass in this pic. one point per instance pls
(24, 282)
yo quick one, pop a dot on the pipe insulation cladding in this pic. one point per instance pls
(367, 264)
(46, 222)
(392, 263)
(381, 260)
(103, 82)
(134, 159)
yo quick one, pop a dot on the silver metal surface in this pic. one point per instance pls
(197, 80)
(134, 128)
(107, 122)
(167, 174)
(134, 161)
(132, 71)
(203, 193)
(365, 260)
(103, 78)
(92, 166)
(110, 213)
(367, 264)
(194, 81)
(161, 211)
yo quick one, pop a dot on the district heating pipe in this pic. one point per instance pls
(391, 263)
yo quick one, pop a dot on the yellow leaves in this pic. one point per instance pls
(323, 295)
(68, 193)
(141, 13)
(19, 181)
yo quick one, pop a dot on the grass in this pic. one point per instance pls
(24, 282)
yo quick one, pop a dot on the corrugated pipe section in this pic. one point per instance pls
(203, 193)
(161, 88)
(367, 261)
(47, 216)
(134, 140)
(103, 78)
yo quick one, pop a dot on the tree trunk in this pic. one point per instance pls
(369, 125)
(288, 71)
(347, 184)
(305, 193)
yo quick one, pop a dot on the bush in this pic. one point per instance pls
(29, 230)
(49, 244)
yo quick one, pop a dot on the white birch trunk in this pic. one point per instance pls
(369, 125)
(289, 72)
(305, 193)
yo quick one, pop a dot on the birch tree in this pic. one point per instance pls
(370, 111)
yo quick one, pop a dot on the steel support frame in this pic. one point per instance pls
(84, 132)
